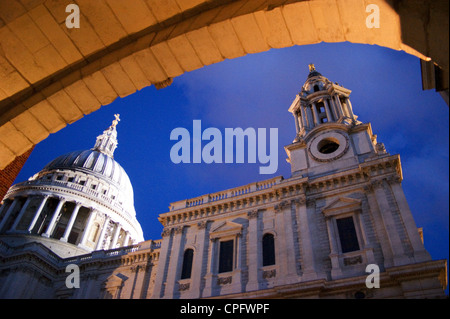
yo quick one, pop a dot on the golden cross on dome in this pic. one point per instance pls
(311, 67)
(116, 121)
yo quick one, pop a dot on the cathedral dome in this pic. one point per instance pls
(79, 202)
(97, 164)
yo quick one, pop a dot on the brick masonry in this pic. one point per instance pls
(10, 172)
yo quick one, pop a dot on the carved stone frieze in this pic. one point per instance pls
(224, 280)
(269, 273)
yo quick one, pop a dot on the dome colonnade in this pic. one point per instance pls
(83, 198)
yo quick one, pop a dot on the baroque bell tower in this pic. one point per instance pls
(351, 178)
(328, 133)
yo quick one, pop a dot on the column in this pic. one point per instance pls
(389, 224)
(330, 116)
(211, 275)
(284, 245)
(316, 116)
(126, 239)
(102, 234)
(254, 250)
(87, 228)
(350, 109)
(69, 226)
(52, 223)
(420, 254)
(164, 257)
(175, 263)
(345, 109)
(338, 106)
(297, 127)
(21, 213)
(299, 121)
(198, 265)
(236, 282)
(38, 213)
(304, 117)
(308, 263)
(291, 253)
(310, 117)
(8, 213)
(116, 234)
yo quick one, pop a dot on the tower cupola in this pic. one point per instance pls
(328, 135)
(320, 101)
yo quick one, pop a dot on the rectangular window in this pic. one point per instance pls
(188, 258)
(347, 234)
(226, 256)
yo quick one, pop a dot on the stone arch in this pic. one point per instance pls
(51, 76)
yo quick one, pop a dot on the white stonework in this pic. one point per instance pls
(308, 236)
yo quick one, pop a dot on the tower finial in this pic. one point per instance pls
(107, 142)
(312, 68)
(116, 121)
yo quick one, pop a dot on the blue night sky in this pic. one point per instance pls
(256, 91)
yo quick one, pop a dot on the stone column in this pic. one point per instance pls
(420, 254)
(21, 213)
(308, 262)
(175, 262)
(284, 244)
(72, 219)
(379, 228)
(310, 117)
(389, 224)
(350, 109)
(87, 229)
(52, 223)
(297, 127)
(102, 234)
(199, 261)
(330, 116)
(304, 117)
(164, 256)
(211, 275)
(299, 120)
(115, 236)
(126, 239)
(8, 213)
(316, 116)
(38, 213)
(338, 106)
(336, 271)
(254, 251)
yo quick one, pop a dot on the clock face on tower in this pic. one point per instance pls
(328, 146)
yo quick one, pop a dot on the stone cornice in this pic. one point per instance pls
(386, 167)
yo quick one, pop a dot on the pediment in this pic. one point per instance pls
(342, 205)
(114, 281)
(226, 228)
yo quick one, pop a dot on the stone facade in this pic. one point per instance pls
(308, 236)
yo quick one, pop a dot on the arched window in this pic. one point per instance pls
(268, 249)
(187, 264)
(316, 88)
